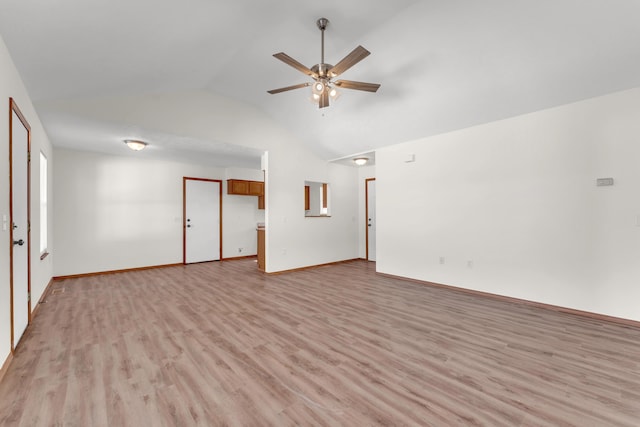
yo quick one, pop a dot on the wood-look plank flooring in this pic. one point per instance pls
(220, 344)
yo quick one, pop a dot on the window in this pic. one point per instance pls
(43, 205)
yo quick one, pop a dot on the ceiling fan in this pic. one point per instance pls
(323, 85)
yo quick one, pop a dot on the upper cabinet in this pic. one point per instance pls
(243, 187)
(237, 186)
(307, 198)
(256, 188)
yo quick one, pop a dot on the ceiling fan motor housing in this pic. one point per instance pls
(322, 70)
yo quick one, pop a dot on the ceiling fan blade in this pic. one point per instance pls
(349, 84)
(295, 64)
(324, 99)
(356, 55)
(284, 89)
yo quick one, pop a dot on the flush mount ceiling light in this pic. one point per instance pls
(323, 87)
(135, 145)
(360, 161)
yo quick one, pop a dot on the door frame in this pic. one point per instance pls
(184, 213)
(13, 108)
(366, 214)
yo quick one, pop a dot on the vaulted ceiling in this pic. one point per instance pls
(443, 64)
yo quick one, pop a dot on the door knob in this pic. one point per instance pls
(18, 242)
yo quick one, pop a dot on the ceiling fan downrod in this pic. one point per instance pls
(322, 25)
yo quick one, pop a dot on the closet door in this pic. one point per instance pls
(19, 215)
(371, 219)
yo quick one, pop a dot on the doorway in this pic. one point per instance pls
(202, 220)
(370, 201)
(20, 214)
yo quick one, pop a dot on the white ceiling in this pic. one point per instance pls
(443, 64)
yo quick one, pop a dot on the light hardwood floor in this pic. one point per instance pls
(222, 344)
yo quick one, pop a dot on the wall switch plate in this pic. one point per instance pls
(602, 182)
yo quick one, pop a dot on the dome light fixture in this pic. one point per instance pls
(135, 144)
(360, 161)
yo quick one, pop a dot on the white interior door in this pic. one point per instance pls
(371, 220)
(202, 220)
(20, 227)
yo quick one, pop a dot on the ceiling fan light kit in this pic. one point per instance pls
(323, 87)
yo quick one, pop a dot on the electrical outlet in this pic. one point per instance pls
(470, 264)
(441, 260)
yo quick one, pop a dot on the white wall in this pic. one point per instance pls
(115, 213)
(41, 271)
(295, 240)
(518, 199)
(207, 116)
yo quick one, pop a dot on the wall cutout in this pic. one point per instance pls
(316, 199)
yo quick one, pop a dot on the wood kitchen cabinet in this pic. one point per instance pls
(256, 188)
(242, 187)
(261, 249)
(238, 186)
(325, 197)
